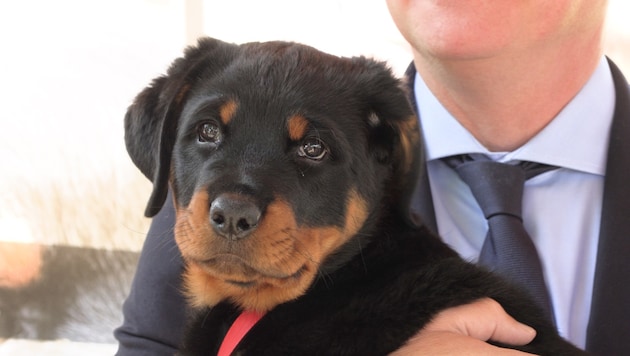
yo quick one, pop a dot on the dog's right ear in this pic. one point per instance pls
(151, 121)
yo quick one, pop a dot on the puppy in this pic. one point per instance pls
(291, 172)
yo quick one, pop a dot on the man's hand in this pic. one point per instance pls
(464, 330)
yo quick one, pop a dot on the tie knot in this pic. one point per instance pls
(497, 187)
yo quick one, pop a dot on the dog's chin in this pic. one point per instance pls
(248, 283)
(231, 278)
(237, 271)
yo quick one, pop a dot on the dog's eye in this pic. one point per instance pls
(209, 132)
(312, 148)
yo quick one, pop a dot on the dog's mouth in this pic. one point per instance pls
(253, 283)
(237, 271)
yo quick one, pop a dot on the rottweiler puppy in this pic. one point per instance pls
(291, 172)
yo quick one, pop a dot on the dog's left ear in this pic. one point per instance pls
(151, 121)
(394, 129)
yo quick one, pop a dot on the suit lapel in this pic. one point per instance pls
(422, 212)
(609, 325)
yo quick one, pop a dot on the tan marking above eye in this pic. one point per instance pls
(227, 111)
(297, 126)
(182, 93)
(409, 141)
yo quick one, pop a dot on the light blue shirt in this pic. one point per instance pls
(561, 208)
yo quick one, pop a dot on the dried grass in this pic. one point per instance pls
(97, 210)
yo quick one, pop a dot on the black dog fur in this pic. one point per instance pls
(291, 172)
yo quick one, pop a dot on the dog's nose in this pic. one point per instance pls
(234, 217)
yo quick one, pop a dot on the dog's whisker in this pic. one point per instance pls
(324, 277)
(304, 251)
(359, 242)
(205, 317)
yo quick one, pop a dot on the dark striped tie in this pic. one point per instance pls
(508, 248)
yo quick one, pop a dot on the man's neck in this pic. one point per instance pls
(506, 100)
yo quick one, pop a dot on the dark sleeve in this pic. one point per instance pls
(155, 309)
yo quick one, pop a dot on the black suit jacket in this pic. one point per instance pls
(609, 326)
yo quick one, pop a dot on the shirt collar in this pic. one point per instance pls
(581, 129)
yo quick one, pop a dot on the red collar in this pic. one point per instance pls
(237, 331)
